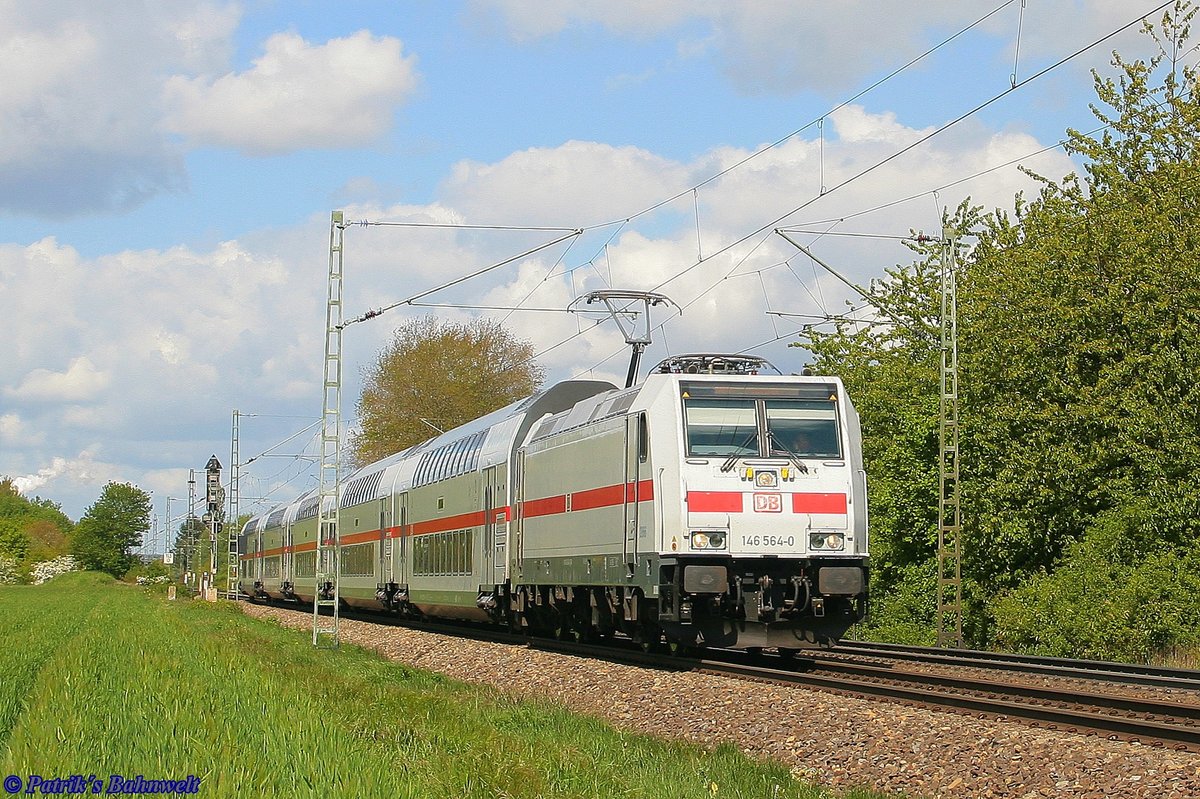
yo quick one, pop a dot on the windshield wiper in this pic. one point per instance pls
(733, 459)
(795, 459)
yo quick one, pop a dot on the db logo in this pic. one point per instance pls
(768, 503)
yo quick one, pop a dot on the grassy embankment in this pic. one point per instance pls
(100, 678)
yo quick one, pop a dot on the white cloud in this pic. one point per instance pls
(98, 108)
(575, 178)
(16, 433)
(81, 381)
(83, 469)
(297, 95)
(79, 108)
(785, 46)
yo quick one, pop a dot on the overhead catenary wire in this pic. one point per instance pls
(408, 301)
(819, 121)
(694, 189)
(858, 95)
(510, 308)
(281, 443)
(976, 109)
(457, 226)
(623, 221)
(1060, 144)
(920, 141)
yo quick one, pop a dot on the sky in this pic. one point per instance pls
(168, 171)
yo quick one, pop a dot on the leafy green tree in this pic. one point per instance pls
(435, 375)
(1081, 338)
(31, 529)
(111, 527)
(14, 541)
(1080, 387)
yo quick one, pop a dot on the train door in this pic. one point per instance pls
(516, 552)
(385, 541)
(502, 515)
(285, 559)
(489, 550)
(256, 565)
(635, 465)
(400, 567)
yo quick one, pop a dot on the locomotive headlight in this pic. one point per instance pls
(712, 540)
(826, 540)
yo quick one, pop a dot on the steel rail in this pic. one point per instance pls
(1124, 703)
(1179, 736)
(1103, 670)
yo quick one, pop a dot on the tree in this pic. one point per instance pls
(1080, 387)
(1081, 338)
(31, 529)
(436, 375)
(111, 527)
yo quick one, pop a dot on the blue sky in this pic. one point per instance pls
(167, 171)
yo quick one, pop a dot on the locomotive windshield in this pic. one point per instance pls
(803, 428)
(720, 423)
(722, 426)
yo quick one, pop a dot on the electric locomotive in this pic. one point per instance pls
(711, 505)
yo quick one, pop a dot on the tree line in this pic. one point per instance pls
(36, 530)
(1079, 354)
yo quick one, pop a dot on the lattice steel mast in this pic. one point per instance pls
(233, 561)
(326, 595)
(949, 562)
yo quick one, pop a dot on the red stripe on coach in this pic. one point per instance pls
(545, 507)
(604, 497)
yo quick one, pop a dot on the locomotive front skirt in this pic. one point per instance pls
(697, 509)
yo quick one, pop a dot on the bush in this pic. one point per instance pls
(1100, 605)
(9, 573)
(904, 613)
(48, 570)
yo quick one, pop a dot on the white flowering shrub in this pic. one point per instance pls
(8, 572)
(161, 579)
(49, 569)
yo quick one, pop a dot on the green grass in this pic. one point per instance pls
(102, 678)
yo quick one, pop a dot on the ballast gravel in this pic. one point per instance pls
(824, 738)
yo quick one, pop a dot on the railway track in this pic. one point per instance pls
(978, 686)
(1083, 709)
(1105, 671)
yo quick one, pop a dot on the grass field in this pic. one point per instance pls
(100, 678)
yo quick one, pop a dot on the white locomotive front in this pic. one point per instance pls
(724, 509)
